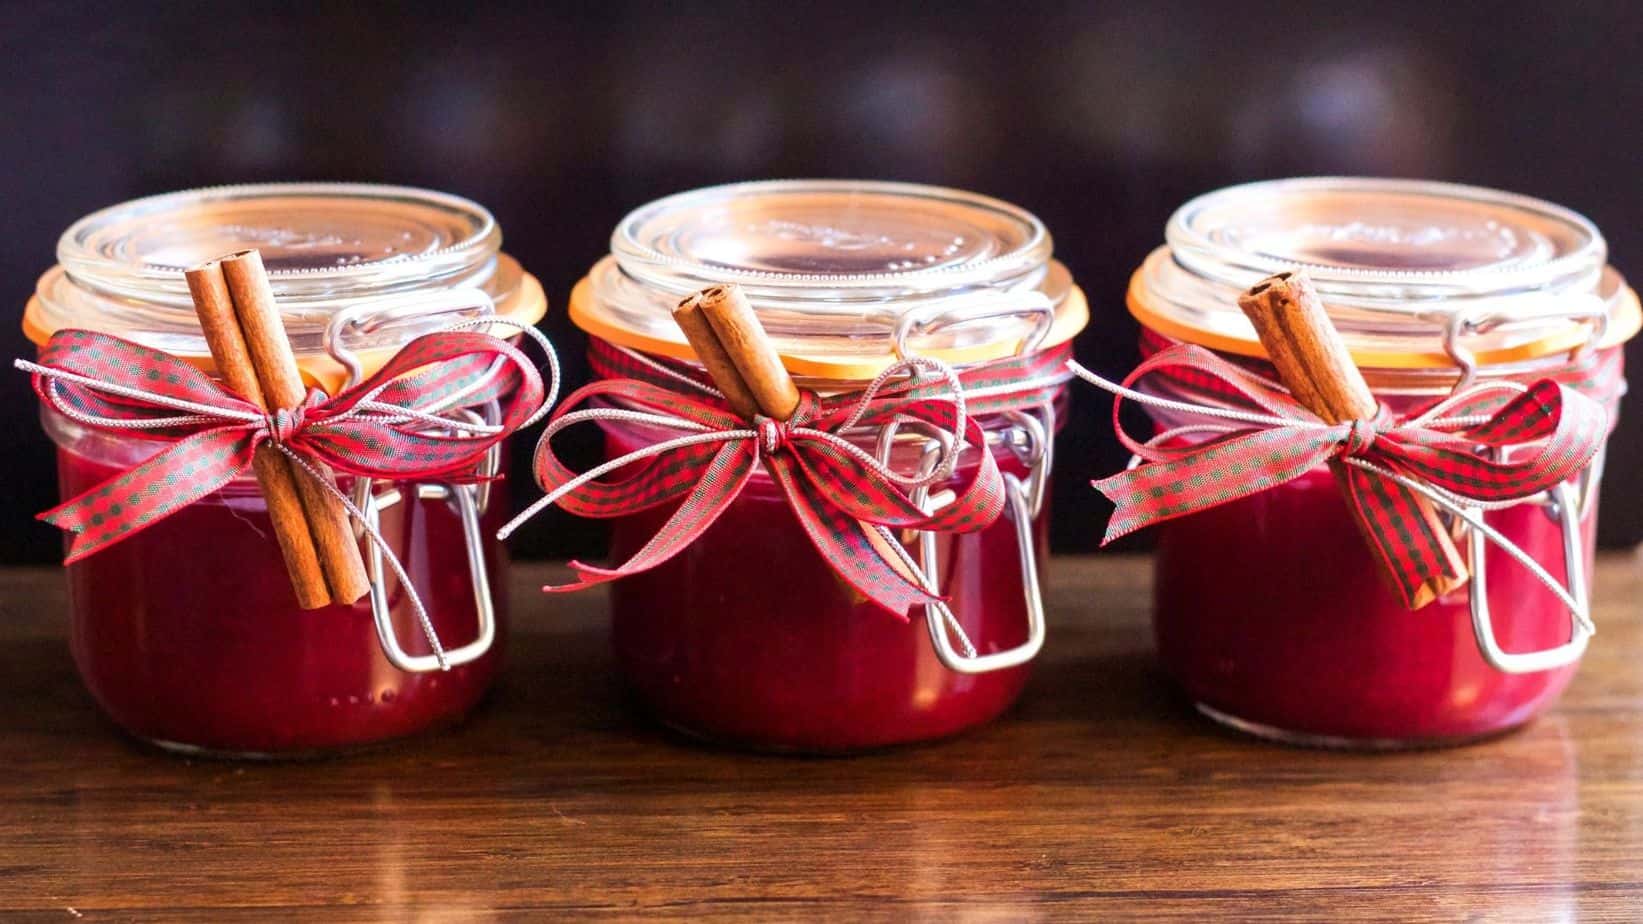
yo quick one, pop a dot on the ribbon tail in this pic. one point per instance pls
(852, 548)
(132, 501)
(723, 481)
(1400, 536)
(1244, 463)
(1126, 516)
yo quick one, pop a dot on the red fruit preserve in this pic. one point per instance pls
(188, 633)
(1270, 611)
(749, 636)
(1328, 650)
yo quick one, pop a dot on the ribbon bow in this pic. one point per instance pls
(1454, 454)
(847, 500)
(391, 425)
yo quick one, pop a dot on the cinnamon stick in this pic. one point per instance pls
(282, 386)
(743, 339)
(699, 334)
(215, 309)
(1313, 363)
(732, 345)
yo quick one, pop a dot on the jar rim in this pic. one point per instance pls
(398, 260)
(1414, 273)
(661, 239)
(124, 248)
(1205, 233)
(845, 275)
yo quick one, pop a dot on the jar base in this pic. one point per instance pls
(697, 738)
(197, 752)
(1343, 742)
(179, 749)
(324, 752)
(846, 746)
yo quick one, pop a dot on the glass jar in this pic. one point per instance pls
(1269, 610)
(188, 633)
(748, 636)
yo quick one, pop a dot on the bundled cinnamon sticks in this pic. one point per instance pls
(721, 327)
(247, 339)
(1313, 363)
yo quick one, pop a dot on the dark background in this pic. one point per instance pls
(1099, 117)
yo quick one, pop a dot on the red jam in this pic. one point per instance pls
(189, 636)
(1270, 612)
(748, 637)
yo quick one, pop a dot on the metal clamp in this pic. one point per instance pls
(1596, 317)
(938, 616)
(1569, 517)
(1030, 437)
(466, 500)
(970, 309)
(376, 315)
(469, 501)
(1033, 439)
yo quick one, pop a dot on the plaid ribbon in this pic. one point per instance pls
(1257, 437)
(847, 501)
(389, 426)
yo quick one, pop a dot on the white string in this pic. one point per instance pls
(429, 413)
(552, 497)
(947, 615)
(1475, 520)
(367, 408)
(195, 409)
(382, 546)
(1185, 407)
(393, 414)
(1432, 416)
(549, 398)
(947, 462)
(700, 433)
(669, 373)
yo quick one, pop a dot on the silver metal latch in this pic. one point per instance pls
(469, 501)
(1030, 437)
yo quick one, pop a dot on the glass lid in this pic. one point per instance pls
(327, 246)
(343, 231)
(1402, 265)
(842, 234)
(835, 268)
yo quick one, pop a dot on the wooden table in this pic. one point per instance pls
(1101, 795)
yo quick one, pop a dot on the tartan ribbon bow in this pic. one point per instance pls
(392, 425)
(846, 499)
(1454, 454)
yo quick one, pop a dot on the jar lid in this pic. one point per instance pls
(1414, 274)
(844, 275)
(402, 261)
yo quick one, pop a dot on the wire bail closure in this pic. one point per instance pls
(474, 309)
(1589, 311)
(1568, 506)
(1031, 437)
(973, 308)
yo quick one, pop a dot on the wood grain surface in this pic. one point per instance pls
(1101, 796)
